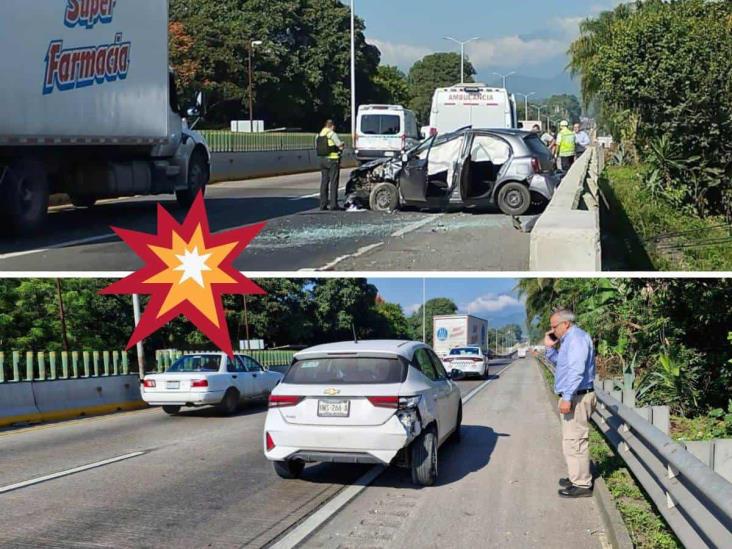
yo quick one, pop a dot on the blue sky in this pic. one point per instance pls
(530, 36)
(491, 298)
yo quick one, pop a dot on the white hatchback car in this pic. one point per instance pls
(469, 360)
(209, 379)
(363, 402)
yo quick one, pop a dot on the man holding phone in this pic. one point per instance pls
(574, 377)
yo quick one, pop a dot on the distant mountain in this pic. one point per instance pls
(544, 87)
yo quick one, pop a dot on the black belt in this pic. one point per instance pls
(585, 391)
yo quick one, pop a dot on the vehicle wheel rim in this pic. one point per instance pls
(514, 199)
(383, 199)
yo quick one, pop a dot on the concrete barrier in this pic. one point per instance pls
(26, 402)
(17, 404)
(567, 235)
(248, 165)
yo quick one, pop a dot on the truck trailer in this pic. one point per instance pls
(450, 331)
(89, 107)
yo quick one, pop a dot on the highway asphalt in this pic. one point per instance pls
(297, 237)
(194, 480)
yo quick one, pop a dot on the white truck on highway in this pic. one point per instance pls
(475, 105)
(451, 331)
(89, 107)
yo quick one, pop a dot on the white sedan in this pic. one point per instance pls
(209, 379)
(468, 360)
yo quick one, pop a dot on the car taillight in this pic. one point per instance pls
(199, 383)
(148, 383)
(433, 132)
(270, 443)
(477, 359)
(385, 401)
(447, 359)
(395, 402)
(281, 401)
(536, 165)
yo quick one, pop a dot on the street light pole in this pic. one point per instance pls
(140, 350)
(424, 310)
(353, 71)
(462, 53)
(504, 77)
(526, 102)
(252, 43)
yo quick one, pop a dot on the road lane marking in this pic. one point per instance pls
(60, 474)
(314, 195)
(306, 528)
(88, 240)
(365, 249)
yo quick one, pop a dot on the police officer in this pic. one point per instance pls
(566, 145)
(329, 147)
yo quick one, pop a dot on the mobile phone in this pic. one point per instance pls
(553, 337)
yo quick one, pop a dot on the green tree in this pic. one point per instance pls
(433, 307)
(301, 70)
(564, 106)
(342, 304)
(391, 86)
(391, 321)
(433, 71)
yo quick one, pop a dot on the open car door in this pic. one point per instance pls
(414, 177)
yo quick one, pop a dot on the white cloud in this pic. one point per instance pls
(512, 51)
(492, 303)
(411, 309)
(401, 55)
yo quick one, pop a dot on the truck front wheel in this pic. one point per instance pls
(198, 174)
(24, 187)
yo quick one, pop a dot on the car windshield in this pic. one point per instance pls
(380, 124)
(196, 363)
(465, 351)
(346, 371)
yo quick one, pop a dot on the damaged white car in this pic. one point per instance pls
(511, 169)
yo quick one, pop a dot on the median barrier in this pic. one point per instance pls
(232, 166)
(567, 235)
(17, 404)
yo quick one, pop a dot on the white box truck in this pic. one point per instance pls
(475, 105)
(89, 107)
(450, 331)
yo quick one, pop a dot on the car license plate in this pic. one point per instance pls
(333, 408)
(173, 385)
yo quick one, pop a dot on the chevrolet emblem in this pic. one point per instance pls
(331, 392)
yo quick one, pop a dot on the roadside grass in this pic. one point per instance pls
(647, 528)
(698, 428)
(642, 232)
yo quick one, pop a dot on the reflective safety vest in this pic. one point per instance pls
(567, 142)
(335, 155)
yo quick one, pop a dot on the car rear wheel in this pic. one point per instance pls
(24, 192)
(424, 459)
(289, 469)
(230, 403)
(170, 409)
(198, 176)
(514, 198)
(384, 197)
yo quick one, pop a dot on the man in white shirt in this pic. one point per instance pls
(583, 140)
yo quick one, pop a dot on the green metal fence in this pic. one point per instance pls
(226, 141)
(18, 366)
(267, 358)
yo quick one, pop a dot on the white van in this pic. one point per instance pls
(384, 131)
(475, 105)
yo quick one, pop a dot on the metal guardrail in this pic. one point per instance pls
(17, 366)
(267, 358)
(695, 501)
(224, 141)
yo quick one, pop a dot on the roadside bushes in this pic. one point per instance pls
(666, 67)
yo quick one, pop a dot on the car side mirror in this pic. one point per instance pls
(193, 111)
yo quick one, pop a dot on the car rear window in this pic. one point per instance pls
(346, 371)
(465, 351)
(536, 145)
(196, 363)
(380, 124)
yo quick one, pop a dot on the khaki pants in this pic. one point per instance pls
(576, 439)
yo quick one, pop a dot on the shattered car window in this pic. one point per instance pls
(490, 149)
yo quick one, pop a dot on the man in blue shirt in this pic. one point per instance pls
(574, 377)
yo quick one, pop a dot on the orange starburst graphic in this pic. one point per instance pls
(187, 270)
